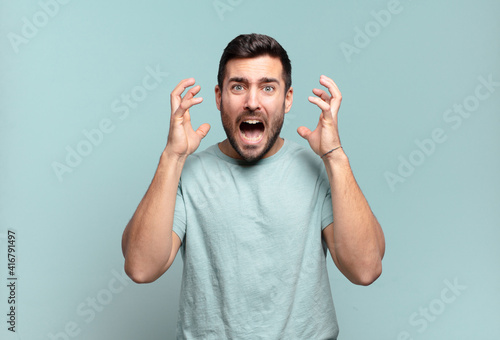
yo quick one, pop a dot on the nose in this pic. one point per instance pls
(252, 102)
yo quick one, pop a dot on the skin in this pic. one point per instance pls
(355, 240)
(254, 88)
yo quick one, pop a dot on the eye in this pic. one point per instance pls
(237, 87)
(268, 88)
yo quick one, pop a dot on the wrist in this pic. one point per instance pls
(170, 154)
(330, 151)
(171, 160)
(337, 157)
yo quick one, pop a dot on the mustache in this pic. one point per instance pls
(251, 114)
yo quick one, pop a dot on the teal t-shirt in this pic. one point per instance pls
(254, 259)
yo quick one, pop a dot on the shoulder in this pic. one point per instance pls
(201, 162)
(302, 155)
(209, 154)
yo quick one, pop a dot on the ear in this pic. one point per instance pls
(288, 99)
(218, 96)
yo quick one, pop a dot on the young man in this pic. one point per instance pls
(255, 214)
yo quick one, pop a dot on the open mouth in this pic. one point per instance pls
(252, 130)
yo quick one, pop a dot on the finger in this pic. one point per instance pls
(203, 130)
(304, 132)
(332, 87)
(183, 84)
(188, 100)
(175, 95)
(322, 94)
(186, 104)
(189, 95)
(336, 98)
(324, 106)
(328, 80)
(192, 92)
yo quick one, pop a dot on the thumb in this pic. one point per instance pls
(304, 132)
(203, 130)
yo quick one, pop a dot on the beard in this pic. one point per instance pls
(249, 153)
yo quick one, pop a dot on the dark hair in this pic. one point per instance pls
(251, 46)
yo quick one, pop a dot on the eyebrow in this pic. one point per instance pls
(261, 80)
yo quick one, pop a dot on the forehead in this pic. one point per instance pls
(254, 69)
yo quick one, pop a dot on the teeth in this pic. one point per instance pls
(254, 139)
(252, 121)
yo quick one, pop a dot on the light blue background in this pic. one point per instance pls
(441, 224)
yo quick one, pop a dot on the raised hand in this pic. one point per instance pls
(326, 135)
(183, 140)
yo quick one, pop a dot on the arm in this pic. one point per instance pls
(355, 240)
(149, 245)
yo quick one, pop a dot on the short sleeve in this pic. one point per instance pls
(179, 224)
(327, 211)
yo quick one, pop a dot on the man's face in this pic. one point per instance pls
(253, 103)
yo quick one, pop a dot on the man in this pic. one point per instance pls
(255, 214)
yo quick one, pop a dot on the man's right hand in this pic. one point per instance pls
(183, 140)
(149, 243)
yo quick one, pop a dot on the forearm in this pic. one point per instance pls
(358, 238)
(147, 239)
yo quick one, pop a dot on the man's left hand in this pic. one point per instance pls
(326, 135)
